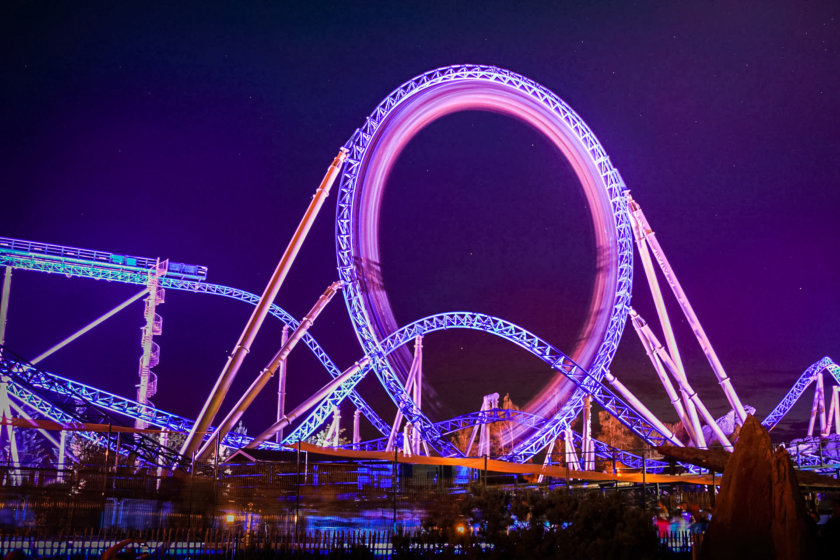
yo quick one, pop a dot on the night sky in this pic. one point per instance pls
(199, 132)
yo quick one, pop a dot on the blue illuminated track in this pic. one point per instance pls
(63, 404)
(807, 377)
(550, 355)
(47, 392)
(103, 265)
(603, 451)
(371, 152)
(374, 147)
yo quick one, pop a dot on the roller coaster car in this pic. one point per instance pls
(187, 271)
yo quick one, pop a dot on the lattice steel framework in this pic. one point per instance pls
(70, 406)
(28, 378)
(357, 211)
(807, 377)
(103, 265)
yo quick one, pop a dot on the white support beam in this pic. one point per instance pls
(252, 327)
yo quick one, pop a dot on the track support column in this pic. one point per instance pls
(152, 326)
(252, 327)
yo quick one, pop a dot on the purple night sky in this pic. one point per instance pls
(200, 132)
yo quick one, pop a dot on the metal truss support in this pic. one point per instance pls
(411, 385)
(643, 228)
(69, 407)
(572, 461)
(246, 339)
(62, 454)
(281, 385)
(99, 265)
(491, 402)
(833, 412)
(5, 409)
(23, 414)
(557, 360)
(687, 390)
(795, 392)
(818, 406)
(376, 144)
(4, 304)
(321, 394)
(86, 404)
(267, 372)
(418, 396)
(6, 416)
(693, 427)
(357, 437)
(87, 328)
(640, 326)
(152, 326)
(532, 422)
(587, 449)
(324, 409)
(334, 430)
(547, 461)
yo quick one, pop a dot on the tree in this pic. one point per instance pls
(320, 438)
(34, 451)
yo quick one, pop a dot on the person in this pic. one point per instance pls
(662, 523)
(701, 524)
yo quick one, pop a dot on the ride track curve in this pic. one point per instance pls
(75, 262)
(373, 150)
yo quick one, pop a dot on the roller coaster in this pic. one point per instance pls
(581, 378)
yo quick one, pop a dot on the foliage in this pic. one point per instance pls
(320, 438)
(501, 433)
(537, 525)
(616, 434)
(33, 449)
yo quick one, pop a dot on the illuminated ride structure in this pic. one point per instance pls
(581, 377)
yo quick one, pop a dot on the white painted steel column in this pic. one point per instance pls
(246, 339)
(817, 406)
(662, 312)
(281, 385)
(321, 394)
(571, 456)
(410, 383)
(4, 304)
(587, 433)
(686, 388)
(834, 412)
(87, 328)
(357, 415)
(547, 461)
(62, 446)
(153, 324)
(638, 325)
(5, 408)
(267, 372)
(688, 311)
(640, 408)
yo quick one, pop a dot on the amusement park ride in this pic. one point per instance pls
(31, 395)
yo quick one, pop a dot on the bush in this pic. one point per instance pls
(538, 525)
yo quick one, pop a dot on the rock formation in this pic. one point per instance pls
(760, 512)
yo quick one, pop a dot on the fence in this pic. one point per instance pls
(182, 543)
(326, 495)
